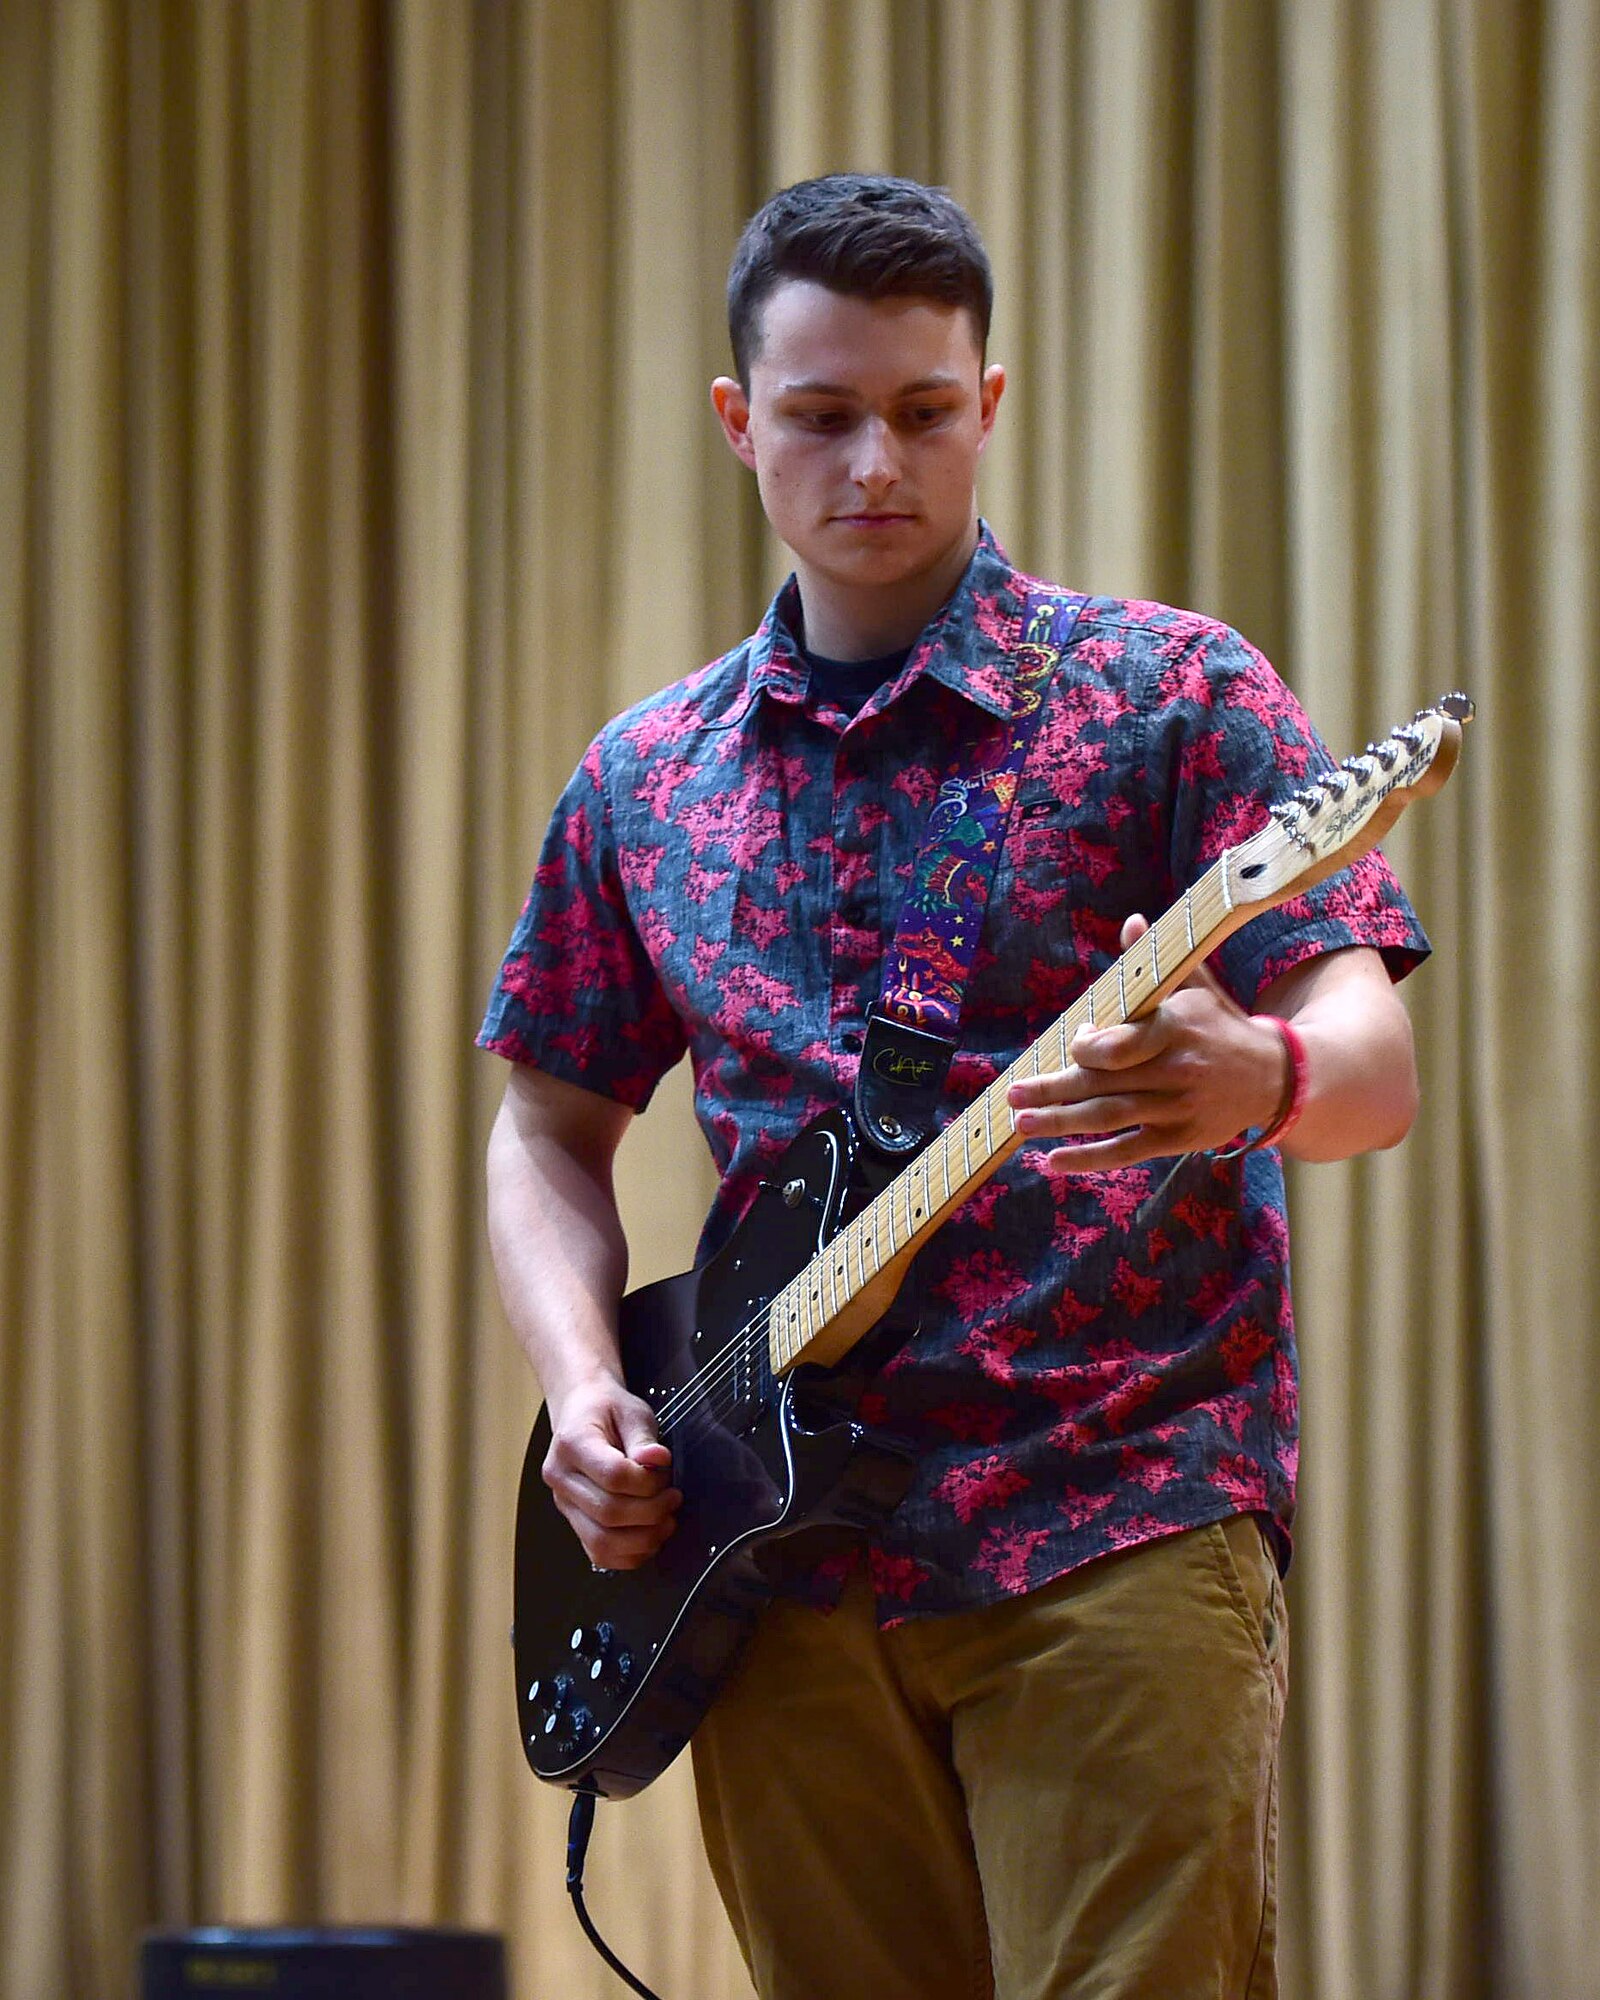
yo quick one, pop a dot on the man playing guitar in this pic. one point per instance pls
(1032, 1747)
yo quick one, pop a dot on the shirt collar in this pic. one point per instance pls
(967, 646)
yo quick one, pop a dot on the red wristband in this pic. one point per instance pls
(1294, 1102)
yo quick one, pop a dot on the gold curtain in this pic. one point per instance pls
(354, 464)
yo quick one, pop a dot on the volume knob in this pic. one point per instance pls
(593, 1646)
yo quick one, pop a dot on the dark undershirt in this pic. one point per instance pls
(851, 684)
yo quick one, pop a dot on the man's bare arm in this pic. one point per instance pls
(562, 1262)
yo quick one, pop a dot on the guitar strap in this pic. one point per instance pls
(912, 1030)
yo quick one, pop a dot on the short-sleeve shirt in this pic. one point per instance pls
(1103, 1358)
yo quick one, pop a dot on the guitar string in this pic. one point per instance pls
(700, 1387)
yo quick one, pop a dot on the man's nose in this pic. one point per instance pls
(876, 464)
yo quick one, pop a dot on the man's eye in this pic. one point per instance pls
(823, 420)
(926, 414)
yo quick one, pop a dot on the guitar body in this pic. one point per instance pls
(615, 1668)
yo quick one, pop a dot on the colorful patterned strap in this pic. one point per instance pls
(912, 1032)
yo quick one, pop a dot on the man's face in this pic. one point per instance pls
(864, 424)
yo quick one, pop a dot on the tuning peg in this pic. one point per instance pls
(1458, 706)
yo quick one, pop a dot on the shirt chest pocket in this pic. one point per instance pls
(1055, 860)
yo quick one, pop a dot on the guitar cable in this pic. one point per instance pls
(579, 1826)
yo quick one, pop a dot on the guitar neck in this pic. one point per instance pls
(842, 1292)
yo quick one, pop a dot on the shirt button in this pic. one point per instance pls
(852, 1040)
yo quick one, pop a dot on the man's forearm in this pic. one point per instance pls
(1361, 1074)
(559, 1254)
(562, 1261)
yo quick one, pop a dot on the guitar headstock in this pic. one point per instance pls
(1335, 818)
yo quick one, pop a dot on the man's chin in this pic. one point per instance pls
(885, 555)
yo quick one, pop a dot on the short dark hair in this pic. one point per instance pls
(869, 236)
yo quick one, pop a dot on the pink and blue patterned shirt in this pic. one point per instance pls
(722, 877)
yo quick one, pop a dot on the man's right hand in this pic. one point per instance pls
(610, 1473)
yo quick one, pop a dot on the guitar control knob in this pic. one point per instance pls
(613, 1673)
(594, 1646)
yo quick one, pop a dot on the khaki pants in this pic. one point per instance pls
(1072, 1793)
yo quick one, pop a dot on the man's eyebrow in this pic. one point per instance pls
(922, 387)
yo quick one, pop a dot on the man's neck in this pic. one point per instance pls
(866, 622)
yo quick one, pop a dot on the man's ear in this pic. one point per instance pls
(732, 406)
(991, 387)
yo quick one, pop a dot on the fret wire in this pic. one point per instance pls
(1170, 941)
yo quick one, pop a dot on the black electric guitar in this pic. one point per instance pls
(740, 1360)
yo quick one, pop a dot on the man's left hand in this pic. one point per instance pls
(1192, 1075)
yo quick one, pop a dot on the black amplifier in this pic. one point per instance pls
(344, 1964)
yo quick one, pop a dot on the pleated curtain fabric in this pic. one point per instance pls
(355, 464)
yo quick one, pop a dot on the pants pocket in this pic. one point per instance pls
(1246, 1562)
